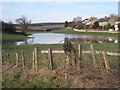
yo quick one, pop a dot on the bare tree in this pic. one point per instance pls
(77, 19)
(23, 22)
(113, 15)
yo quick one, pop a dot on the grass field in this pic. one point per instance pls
(111, 47)
(8, 38)
(44, 27)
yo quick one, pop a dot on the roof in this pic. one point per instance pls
(91, 19)
(104, 19)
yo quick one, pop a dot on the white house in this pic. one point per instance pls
(116, 25)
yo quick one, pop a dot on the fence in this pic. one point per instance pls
(57, 59)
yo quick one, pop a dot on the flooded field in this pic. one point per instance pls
(54, 38)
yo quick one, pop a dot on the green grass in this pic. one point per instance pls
(111, 47)
(8, 38)
(18, 81)
(44, 27)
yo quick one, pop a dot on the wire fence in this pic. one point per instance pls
(95, 56)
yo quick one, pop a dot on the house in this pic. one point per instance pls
(103, 21)
(113, 21)
(90, 21)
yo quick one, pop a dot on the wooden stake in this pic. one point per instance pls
(93, 55)
(50, 58)
(36, 58)
(23, 58)
(66, 78)
(33, 60)
(1, 57)
(67, 61)
(80, 55)
(107, 63)
(73, 58)
(9, 58)
(80, 51)
(17, 61)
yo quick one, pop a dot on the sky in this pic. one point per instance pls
(56, 11)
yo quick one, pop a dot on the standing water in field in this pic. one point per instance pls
(54, 38)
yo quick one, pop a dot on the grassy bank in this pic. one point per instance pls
(71, 31)
(8, 38)
(111, 47)
(45, 27)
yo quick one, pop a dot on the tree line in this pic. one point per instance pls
(23, 23)
(8, 27)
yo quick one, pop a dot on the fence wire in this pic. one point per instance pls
(9, 56)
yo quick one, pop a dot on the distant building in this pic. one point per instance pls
(90, 21)
(107, 20)
(103, 21)
(112, 20)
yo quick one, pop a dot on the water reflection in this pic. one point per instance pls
(53, 38)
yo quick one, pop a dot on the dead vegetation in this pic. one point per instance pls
(73, 77)
(50, 70)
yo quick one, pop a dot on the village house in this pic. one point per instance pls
(103, 21)
(113, 21)
(90, 21)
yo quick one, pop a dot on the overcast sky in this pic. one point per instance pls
(56, 11)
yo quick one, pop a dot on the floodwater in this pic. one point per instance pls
(54, 38)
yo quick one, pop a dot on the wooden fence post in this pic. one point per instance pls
(80, 54)
(66, 77)
(107, 63)
(36, 58)
(80, 51)
(93, 55)
(23, 59)
(50, 58)
(9, 58)
(67, 60)
(33, 60)
(1, 60)
(17, 61)
(66, 68)
(73, 56)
